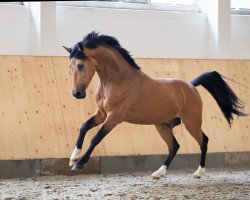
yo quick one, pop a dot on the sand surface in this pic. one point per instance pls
(216, 184)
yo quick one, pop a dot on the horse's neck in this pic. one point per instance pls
(112, 68)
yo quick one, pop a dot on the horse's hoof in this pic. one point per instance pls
(159, 173)
(199, 173)
(77, 167)
(155, 178)
(195, 176)
(72, 162)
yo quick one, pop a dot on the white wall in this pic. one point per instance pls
(144, 33)
(147, 34)
(240, 36)
(14, 30)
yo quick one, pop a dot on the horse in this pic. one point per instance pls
(126, 94)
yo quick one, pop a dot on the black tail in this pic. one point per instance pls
(227, 100)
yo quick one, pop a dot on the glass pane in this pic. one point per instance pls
(239, 4)
(135, 1)
(174, 2)
(13, 3)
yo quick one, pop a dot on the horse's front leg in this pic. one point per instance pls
(110, 122)
(95, 120)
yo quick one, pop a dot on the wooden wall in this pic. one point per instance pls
(39, 118)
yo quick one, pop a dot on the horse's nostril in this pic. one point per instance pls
(78, 94)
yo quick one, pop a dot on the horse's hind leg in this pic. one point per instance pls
(166, 132)
(193, 125)
(201, 170)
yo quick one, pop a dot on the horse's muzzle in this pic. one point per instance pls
(79, 94)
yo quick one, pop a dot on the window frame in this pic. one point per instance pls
(237, 9)
(20, 3)
(131, 6)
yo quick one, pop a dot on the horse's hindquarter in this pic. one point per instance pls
(158, 101)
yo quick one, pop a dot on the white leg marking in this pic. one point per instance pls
(74, 156)
(160, 172)
(198, 174)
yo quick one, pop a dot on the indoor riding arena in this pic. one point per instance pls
(125, 99)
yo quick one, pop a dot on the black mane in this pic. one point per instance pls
(93, 39)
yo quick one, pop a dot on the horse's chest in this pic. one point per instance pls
(100, 99)
(103, 100)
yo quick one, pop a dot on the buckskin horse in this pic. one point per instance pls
(127, 94)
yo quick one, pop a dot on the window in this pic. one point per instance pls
(166, 5)
(240, 7)
(174, 2)
(11, 3)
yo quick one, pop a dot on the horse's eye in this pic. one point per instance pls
(80, 66)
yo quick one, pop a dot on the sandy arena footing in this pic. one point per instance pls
(216, 184)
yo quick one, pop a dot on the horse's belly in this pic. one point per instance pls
(135, 120)
(150, 116)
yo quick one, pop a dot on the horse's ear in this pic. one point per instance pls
(67, 49)
(81, 47)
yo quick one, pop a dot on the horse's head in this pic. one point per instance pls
(82, 68)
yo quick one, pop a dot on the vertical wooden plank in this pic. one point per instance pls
(235, 72)
(56, 139)
(12, 112)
